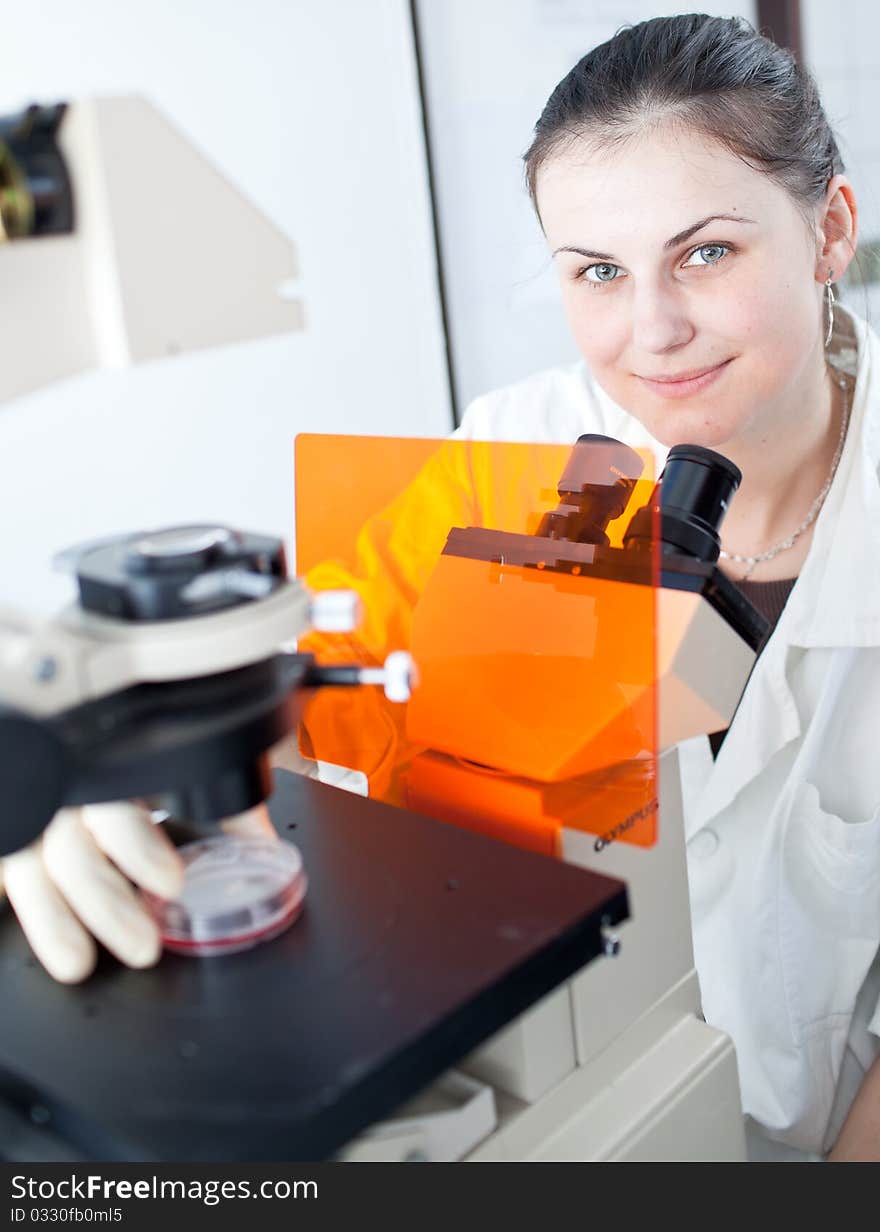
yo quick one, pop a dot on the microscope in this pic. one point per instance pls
(168, 679)
(443, 995)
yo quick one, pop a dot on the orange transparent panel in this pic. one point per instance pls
(535, 708)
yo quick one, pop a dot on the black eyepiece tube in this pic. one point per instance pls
(694, 492)
(594, 489)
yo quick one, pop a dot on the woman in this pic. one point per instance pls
(693, 199)
(691, 193)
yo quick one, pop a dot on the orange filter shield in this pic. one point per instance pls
(501, 568)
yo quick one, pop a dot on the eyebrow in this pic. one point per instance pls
(670, 243)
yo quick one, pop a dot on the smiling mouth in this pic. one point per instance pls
(685, 383)
(682, 378)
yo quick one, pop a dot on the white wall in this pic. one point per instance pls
(490, 65)
(842, 49)
(311, 107)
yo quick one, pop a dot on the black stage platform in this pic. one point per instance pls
(418, 941)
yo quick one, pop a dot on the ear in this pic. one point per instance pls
(836, 229)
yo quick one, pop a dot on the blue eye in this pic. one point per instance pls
(601, 273)
(709, 254)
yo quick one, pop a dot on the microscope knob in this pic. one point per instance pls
(400, 676)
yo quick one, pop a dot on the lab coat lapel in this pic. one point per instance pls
(766, 720)
(839, 603)
(835, 603)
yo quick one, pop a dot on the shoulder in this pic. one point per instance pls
(556, 405)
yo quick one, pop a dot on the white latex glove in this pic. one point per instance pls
(73, 886)
(255, 823)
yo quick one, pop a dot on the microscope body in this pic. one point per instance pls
(630, 657)
(618, 1063)
(172, 677)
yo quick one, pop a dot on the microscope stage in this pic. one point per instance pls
(417, 941)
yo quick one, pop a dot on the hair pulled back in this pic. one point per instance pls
(712, 74)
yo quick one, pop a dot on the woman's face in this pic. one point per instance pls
(696, 327)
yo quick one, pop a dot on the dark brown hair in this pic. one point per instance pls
(714, 74)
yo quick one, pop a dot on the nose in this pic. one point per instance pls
(660, 321)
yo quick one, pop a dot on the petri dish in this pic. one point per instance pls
(238, 892)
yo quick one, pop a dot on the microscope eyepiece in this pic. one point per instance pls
(694, 491)
(594, 489)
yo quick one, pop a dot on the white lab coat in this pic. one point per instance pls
(784, 828)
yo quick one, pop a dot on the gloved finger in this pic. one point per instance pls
(127, 834)
(255, 823)
(99, 894)
(55, 935)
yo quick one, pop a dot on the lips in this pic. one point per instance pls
(682, 385)
(685, 376)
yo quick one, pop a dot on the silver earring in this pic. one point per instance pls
(829, 308)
